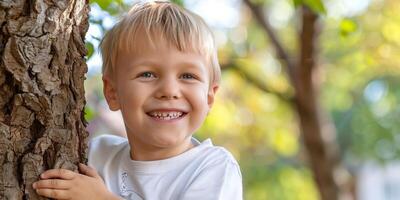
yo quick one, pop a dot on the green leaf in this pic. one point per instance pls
(90, 114)
(297, 3)
(316, 6)
(104, 4)
(178, 2)
(90, 49)
(347, 26)
(113, 7)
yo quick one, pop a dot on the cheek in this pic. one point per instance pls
(199, 98)
(131, 108)
(131, 97)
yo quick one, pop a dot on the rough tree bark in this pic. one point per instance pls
(42, 69)
(317, 130)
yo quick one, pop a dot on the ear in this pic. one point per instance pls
(211, 94)
(110, 93)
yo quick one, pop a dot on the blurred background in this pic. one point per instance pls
(258, 115)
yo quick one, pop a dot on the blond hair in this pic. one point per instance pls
(179, 27)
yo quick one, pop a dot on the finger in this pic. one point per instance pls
(51, 184)
(54, 194)
(58, 173)
(87, 170)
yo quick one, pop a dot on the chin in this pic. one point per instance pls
(169, 141)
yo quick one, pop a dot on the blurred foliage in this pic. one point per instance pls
(359, 71)
(315, 5)
(179, 2)
(90, 48)
(113, 7)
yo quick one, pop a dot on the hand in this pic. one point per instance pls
(66, 184)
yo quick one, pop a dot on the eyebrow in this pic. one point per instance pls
(143, 63)
(187, 64)
(194, 65)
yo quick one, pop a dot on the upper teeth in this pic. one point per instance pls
(167, 115)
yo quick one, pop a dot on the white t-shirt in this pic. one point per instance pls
(205, 172)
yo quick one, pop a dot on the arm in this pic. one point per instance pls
(66, 184)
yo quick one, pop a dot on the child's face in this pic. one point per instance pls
(164, 96)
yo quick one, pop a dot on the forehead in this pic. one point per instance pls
(161, 54)
(140, 39)
(152, 45)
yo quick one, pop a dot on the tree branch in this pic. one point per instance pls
(282, 53)
(257, 83)
(316, 128)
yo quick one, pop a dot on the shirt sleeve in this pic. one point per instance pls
(102, 150)
(218, 182)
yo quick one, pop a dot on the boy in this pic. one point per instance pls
(161, 70)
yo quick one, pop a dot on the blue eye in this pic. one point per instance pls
(188, 76)
(147, 75)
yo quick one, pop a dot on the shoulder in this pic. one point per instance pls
(106, 141)
(217, 175)
(105, 147)
(216, 162)
(216, 155)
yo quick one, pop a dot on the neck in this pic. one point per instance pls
(156, 153)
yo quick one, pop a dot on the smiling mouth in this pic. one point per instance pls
(166, 115)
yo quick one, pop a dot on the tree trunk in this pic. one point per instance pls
(42, 70)
(332, 179)
(317, 129)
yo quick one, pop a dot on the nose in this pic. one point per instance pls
(168, 89)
